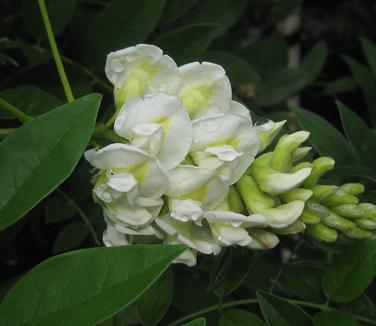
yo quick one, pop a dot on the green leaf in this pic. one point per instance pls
(269, 53)
(121, 24)
(350, 273)
(366, 81)
(58, 209)
(324, 137)
(280, 85)
(354, 171)
(41, 154)
(362, 306)
(175, 9)
(196, 322)
(238, 70)
(175, 43)
(237, 317)
(30, 100)
(154, 303)
(225, 13)
(305, 282)
(279, 312)
(315, 59)
(59, 11)
(238, 265)
(345, 84)
(360, 135)
(334, 318)
(85, 287)
(369, 50)
(70, 237)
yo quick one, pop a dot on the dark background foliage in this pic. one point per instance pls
(336, 59)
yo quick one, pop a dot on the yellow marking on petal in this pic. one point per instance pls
(198, 194)
(196, 98)
(140, 171)
(101, 178)
(164, 122)
(135, 83)
(232, 141)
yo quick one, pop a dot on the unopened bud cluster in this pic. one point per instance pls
(186, 169)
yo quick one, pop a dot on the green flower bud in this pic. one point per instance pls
(253, 197)
(349, 210)
(262, 239)
(297, 194)
(320, 167)
(340, 198)
(296, 227)
(262, 160)
(309, 218)
(283, 215)
(286, 146)
(300, 152)
(352, 188)
(322, 233)
(235, 201)
(337, 222)
(274, 182)
(366, 224)
(300, 166)
(316, 209)
(369, 211)
(357, 233)
(267, 132)
(321, 192)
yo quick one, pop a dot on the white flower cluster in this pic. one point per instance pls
(185, 143)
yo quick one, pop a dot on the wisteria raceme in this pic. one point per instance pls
(191, 169)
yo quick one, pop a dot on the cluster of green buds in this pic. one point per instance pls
(289, 197)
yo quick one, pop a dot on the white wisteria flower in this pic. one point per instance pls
(129, 184)
(226, 144)
(140, 70)
(204, 89)
(155, 123)
(193, 190)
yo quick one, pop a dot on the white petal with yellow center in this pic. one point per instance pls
(226, 144)
(140, 70)
(196, 184)
(123, 159)
(204, 89)
(158, 124)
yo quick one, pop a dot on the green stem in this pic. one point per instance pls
(55, 51)
(81, 214)
(22, 117)
(255, 301)
(6, 132)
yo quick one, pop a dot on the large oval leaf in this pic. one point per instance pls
(85, 287)
(38, 156)
(350, 273)
(324, 137)
(279, 312)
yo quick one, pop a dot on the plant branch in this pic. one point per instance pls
(81, 214)
(229, 304)
(22, 117)
(6, 132)
(55, 51)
